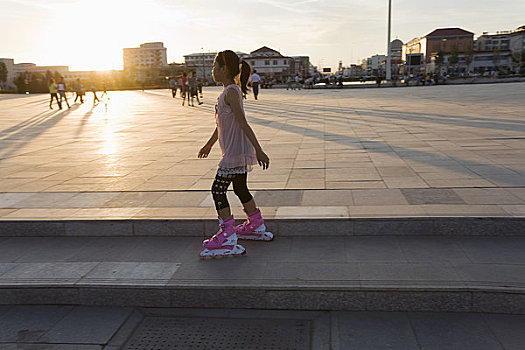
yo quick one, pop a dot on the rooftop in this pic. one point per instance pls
(449, 32)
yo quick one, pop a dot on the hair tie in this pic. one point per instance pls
(240, 60)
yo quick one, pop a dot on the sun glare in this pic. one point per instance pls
(96, 31)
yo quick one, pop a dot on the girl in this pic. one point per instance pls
(240, 152)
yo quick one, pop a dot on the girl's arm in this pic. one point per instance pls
(233, 100)
(203, 153)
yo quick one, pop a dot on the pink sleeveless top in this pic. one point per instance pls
(238, 153)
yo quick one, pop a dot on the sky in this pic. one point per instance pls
(90, 34)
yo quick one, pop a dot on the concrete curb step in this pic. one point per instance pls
(360, 298)
(441, 226)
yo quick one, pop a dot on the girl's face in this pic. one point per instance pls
(218, 72)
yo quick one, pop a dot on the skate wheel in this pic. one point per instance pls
(237, 250)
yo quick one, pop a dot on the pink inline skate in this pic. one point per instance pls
(253, 228)
(223, 243)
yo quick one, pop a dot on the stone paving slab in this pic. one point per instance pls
(422, 151)
(290, 204)
(411, 273)
(111, 328)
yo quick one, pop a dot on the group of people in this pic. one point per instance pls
(58, 93)
(189, 88)
(294, 83)
(426, 79)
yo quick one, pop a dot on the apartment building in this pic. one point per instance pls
(148, 55)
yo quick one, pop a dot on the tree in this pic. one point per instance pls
(49, 76)
(439, 59)
(453, 58)
(469, 54)
(495, 59)
(57, 76)
(3, 72)
(519, 60)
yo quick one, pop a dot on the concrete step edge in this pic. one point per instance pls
(453, 299)
(446, 226)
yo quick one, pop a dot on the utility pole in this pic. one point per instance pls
(203, 65)
(389, 53)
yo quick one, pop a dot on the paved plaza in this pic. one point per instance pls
(432, 180)
(393, 152)
(104, 328)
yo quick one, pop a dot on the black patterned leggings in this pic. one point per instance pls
(221, 184)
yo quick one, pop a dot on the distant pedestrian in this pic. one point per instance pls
(309, 83)
(105, 91)
(62, 92)
(255, 79)
(179, 85)
(297, 82)
(378, 80)
(289, 83)
(194, 92)
(185, 89)
(428, 79)
(53, 92)
(94, 91)
(199, 87)
(79, 91)
(173, 87)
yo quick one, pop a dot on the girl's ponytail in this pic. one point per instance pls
(245, 75)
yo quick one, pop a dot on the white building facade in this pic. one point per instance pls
(270, 63)
(148, 55)
(376, 62)
(513, 40)
(500, 48)
(201, 63)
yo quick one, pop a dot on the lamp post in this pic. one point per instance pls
(203, 65)
(389, 52)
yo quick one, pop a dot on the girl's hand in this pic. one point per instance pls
(263, 159)
(203, 153)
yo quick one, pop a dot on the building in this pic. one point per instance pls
(513, 40)
(267, 62)
(488, 61)
(302, 66)
(11, 74)
(148, 55)
(443, 40)
(396, 52)
(353, 71)
(91, 76)
(506, 48)
(33, 68)
(271, 64)
(375, 64)
(201, 63)
(448, 39)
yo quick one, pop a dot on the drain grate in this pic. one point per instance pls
(163, 333)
